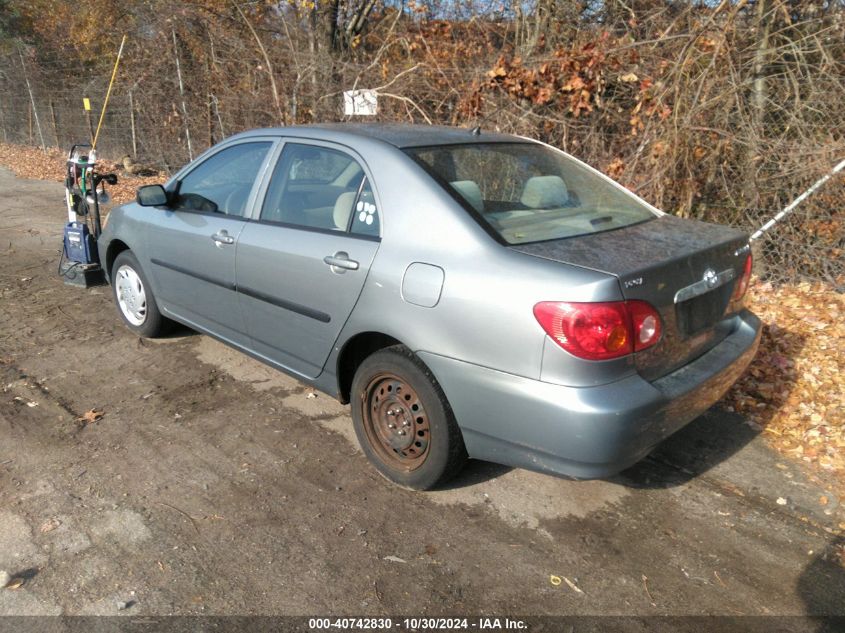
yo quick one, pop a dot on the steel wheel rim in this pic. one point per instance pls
(396, 423)
(131, 296)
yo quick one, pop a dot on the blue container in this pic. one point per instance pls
(79, 244)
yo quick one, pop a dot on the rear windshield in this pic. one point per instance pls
(526, 192)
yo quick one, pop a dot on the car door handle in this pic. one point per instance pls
(340, 262)
(222, 237)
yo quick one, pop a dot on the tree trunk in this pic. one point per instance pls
(759, 102)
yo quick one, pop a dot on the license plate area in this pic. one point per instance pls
(702, 312)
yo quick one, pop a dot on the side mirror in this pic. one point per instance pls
(151, 196)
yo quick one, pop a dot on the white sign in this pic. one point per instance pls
(360, 102)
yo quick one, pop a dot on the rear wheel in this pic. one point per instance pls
(403, 421)
(134, 297)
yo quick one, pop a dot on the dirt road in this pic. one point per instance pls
(215, 485)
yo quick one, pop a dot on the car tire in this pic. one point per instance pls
(134, 297)
(403, 421)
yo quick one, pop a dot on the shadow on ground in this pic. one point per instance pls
(476, 472)
(177, 330)
(700, 446)
(822, 587)
(719, 434)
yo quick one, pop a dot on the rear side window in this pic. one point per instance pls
(526, 192)
(320, 188)
(222, 183)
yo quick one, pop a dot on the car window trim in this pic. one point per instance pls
(338, 147)
(351, 219)
(315, 229)
(172, 187)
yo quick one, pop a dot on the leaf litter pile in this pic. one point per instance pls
(793, 392)
(30, 162)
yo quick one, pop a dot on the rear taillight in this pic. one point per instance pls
(743, 281)
(600, 331)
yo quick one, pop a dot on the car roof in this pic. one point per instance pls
(399, 135)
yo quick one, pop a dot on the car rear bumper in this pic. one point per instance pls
(586, 432)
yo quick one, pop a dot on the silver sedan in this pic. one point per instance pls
(471, 294)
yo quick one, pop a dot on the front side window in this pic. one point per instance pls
(223, 182)
(526, 192)
(317, 187)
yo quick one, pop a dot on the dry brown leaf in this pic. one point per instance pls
(92, 415)
(49, 525)
(15, 583)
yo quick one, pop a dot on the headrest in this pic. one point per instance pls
(343, 209)
(545, 192)
(471, 192)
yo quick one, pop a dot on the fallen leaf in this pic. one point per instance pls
(395, 559)
(49, 525)
(647, 592)
(16, 583)
(92, 415)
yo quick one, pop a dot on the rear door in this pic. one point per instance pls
(192, 243)
(301, 265)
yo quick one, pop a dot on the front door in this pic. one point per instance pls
(301, 267)
(192, 243)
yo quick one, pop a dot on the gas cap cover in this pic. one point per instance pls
(422, 284)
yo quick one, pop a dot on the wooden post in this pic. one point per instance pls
(3, 123)
(132, 125)
(209, 120)
(182, 94)
(90, 124)
(55, 127)
(34, 110)
(216, 105)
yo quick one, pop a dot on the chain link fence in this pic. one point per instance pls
(750, 165)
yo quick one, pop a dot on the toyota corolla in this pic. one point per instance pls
(471, 294)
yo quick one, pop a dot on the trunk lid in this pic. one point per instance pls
(684, 268)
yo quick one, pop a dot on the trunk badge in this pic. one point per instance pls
(711, 280)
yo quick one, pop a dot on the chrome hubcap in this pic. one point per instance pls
(131, 296)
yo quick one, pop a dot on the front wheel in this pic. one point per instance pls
(403, 421)
(134, 297)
